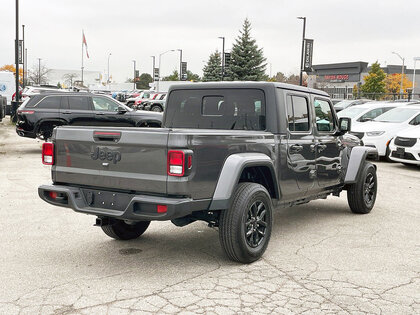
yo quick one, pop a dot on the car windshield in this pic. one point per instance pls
(343, 104)
(351, 112)
(397, 115)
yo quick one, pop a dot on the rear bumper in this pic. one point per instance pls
(23, 133)
(139, 208)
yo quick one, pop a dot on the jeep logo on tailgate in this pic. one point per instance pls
(106, 154)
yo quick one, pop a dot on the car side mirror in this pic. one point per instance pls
(121, 110)
(344, 125)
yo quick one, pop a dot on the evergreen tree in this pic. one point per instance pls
(247, 62)
(212, 71)
(173, 77)
(374, 81)
(193, 76)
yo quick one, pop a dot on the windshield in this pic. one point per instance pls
(397, 115)
(343, 104)
(351, 112)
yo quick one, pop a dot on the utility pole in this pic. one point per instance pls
(402, 72)
(134, 75)
(39, 71)
(180, 65)
(23, 56)
(15, 104)
(160, 66)
(223, 57)
(303, 48)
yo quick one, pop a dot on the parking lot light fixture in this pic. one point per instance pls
(414, 74)
(223, 56)
(160, 66)
(303, 48)
(180, 64)
(402, 71)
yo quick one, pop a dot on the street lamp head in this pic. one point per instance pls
(221, 37)
(301, 17)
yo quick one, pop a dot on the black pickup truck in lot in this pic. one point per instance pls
(227, 154)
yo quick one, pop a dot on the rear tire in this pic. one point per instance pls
(123, 231)
(245, 228)
(45, 131)
(156, 108)
(361, 195)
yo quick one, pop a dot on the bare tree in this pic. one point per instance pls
(39, 74)
(68, 78)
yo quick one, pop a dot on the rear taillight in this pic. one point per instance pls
(48, 153)
(176, 163)
(25, 112)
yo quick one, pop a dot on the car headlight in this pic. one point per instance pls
(374, 133)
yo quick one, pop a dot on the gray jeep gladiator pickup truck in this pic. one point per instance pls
(227, 154)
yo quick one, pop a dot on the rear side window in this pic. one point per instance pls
(49, 102)
(236, 109)
(297, 113)
(324, 116)
(78, 102)
(373, 113)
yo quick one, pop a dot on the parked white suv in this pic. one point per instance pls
(405, 147)
(379, 132)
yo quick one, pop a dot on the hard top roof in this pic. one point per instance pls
(245, 84)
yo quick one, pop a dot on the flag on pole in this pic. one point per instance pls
(85, 43)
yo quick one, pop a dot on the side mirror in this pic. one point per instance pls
(344, 125)
(121, 110)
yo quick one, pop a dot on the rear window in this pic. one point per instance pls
(78, 103)
(49, 102)
(237, 109)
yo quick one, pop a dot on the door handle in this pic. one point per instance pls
(296, 148)
(67, 112)
(100, 113)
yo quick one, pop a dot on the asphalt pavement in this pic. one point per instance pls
(322, 259)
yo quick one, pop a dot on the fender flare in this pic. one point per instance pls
(357, 157)
(47, 120)
(231, 172)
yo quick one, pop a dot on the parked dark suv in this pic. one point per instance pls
(38, 116)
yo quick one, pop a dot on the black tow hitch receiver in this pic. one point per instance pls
(104, 221)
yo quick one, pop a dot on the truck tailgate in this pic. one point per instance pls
(133, 159)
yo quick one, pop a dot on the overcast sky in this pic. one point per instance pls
(342, 31)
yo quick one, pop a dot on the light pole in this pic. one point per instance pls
(180, 64)
(414, 74)
(23, 56)
(303, 48)
(160, 66)
(402, 71)
(107, 80)
(134, 75)
(223, 56)
(153, 70)
(39, 71)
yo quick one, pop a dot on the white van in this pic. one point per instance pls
(7, 86)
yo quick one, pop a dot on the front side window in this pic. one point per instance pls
(415, 121)
(324, 116)
(50, 102)
(104, 104)
(236, 109)
(78, 103)
(297, 113)
(372, 114)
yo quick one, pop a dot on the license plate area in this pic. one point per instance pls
(401, 151)
(106, 199)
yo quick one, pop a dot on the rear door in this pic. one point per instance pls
(105, 112)
(328, 146)
(77, 110)
(300, 143)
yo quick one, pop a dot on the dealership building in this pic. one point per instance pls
(338, 79)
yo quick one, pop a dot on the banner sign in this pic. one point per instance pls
(227, 60)
(183, 71)
(307, 65)
(156, 74)
(353, 77)
(20, 51)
